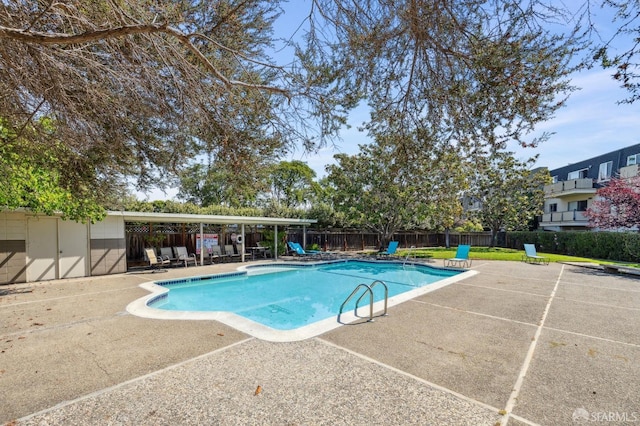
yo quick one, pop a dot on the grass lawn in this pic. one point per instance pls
(497, 253)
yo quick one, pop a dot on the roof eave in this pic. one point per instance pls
(202, 218)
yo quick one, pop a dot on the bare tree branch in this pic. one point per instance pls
(91, 36)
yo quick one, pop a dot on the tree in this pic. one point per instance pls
(446, 189)
(384, 190)
(220, 182)
(445, 81)
(238, 156)
(472, 74)
(510, 194)
(138, 89)
(287, 184)
(620, 50)
(616, 205)
(46, 177)
(213, 184)
(292, 184)
(141, 89)
(322, 209)
(370, 193)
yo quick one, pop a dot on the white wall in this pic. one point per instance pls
(13, 226)
(108, 246)
(13, 256)
(110, 227)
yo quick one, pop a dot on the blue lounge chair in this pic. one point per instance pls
(531, 255)
(461, 260)
(390, 251)
(297, 250)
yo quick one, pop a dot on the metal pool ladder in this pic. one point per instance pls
(409, 253)
(368, 289)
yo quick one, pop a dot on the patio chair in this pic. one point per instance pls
(531, 255)
(389, 252)
(230, 251)
(461, 259)
(183, 256)
(166, 253)
(154, 261)
(216, 253)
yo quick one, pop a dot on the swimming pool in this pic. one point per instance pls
(284, 302)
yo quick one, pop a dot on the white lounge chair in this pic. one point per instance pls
(153, 259)
(216, 253)
(166, 253)
(183, 256)
(230, 251)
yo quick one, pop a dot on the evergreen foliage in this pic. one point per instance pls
(617, 246)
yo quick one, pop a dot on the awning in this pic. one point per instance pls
(205, 218)
(212, 219)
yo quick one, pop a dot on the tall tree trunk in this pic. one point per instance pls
(494, 236)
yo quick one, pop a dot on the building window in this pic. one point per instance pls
(553, 207)
(554, 179)
(633, 159)
(578, 174)
(605, 171)
(578, 205)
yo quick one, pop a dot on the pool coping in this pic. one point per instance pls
(140, 307)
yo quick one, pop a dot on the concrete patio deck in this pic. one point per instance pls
(516, 344)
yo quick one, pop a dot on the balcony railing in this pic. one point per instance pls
(629, 171)
(569, 216)
(568, 185)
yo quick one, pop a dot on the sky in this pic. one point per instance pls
(592, 122)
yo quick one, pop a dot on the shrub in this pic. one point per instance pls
(617, 246)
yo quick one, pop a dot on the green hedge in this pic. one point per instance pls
(617, 246)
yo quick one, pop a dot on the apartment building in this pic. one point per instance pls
(574, 187)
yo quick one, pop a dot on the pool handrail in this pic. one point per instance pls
(409, 253)
(386, 295)
(355, 290)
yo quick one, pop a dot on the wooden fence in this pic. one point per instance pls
(139, 236)
(358, 240)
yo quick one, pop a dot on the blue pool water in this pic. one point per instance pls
(293, 297)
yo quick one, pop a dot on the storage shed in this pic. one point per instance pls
(36, 247)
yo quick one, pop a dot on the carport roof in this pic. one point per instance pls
(205, 218)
